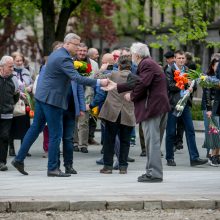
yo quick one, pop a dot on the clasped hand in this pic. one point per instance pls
(109, 85)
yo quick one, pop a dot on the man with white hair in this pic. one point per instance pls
(149, 94)
(93, 54)
(51, 99)
(9, 95)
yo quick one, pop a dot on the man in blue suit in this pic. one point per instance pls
(51, 100)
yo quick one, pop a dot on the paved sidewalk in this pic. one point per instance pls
(183, 186)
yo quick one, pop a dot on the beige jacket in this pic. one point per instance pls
(115, 103)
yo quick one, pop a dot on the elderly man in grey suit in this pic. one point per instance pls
(51, 100)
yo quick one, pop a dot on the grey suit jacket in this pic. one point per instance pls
(53, 86)
(116, 104)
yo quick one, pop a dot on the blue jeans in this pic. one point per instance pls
(189, 131)
(68, 134)
(53, 116)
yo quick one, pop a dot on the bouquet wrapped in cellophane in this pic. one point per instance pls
(203, 80)
(183, 101)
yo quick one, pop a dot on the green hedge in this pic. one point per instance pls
(197, 112)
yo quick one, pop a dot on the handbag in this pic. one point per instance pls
(19, 108)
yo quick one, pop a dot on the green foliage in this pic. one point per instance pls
(18, 10)
(197, 112)
(189, 24)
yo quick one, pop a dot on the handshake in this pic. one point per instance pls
(107, 84)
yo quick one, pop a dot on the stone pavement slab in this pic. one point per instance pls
(183, 186)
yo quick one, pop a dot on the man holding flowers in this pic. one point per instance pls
(176, 93)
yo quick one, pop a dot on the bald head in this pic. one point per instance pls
(108, 58)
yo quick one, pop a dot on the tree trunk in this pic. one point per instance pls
(64, 17)
(49, 25)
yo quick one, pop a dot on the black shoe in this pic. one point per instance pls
(28, 155)
(84, 150)
(179, 146)
(76, 148)
(19, 166)
(3, 167)
(57, 173)
(100, 161)
(198, 162)
(70, 170)
(130, 160)
(12, 152)
(171, 163)
(143, 154)
(149, 179)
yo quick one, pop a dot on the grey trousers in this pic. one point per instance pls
(153, 130)
(81, 134)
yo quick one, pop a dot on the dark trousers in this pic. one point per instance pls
(5, 126)
(68, 134)
(124, 133)
(92, 127)
(141, 136)
(190, 134)
(179, 132)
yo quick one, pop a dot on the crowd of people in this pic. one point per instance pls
(129, 87)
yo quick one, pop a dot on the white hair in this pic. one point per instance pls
(91, 51)
(5, 59)
(140, 49)
(71, 36)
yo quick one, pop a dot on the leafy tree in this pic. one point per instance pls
(89, 15)
(190, 21)
(12, 14)
(94, 21)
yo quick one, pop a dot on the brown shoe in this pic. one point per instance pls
(93, 142)
(122, 170)
(106, 170)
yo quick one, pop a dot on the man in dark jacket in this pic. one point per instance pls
(151, 103)
(8, 97)
(175, 94)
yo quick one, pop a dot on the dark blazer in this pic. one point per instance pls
(53, 87)
(150, 92)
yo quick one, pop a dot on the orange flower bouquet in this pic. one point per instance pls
(181, 79)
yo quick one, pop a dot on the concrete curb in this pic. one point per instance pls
(36, 206)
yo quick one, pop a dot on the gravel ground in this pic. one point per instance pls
(192, 214)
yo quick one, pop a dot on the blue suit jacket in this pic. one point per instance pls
(54, 84)
(79, 98)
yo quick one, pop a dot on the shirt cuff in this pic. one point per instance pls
(98, 82)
